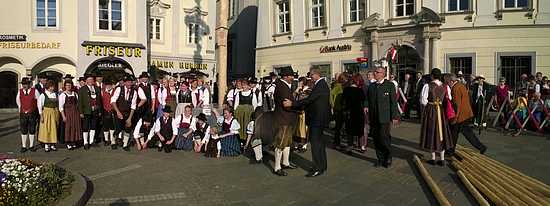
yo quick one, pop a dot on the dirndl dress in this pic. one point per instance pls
(47, 132)
(435, 135)
(72, 125)
(242, 114)
(301, 128)
(230, 144)
(184, 142)
(212, 148)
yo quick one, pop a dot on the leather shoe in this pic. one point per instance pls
(23, 150)
(86, 146)
(113, 147)
(314, 174)
(280, 173)
(432, 162)
(290, 166)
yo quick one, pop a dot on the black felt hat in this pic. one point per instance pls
(25, 81)
(144, 75)
(167, 109)
(286, 71)
(129, 78)
(202, 117)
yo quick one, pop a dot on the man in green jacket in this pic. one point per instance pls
(382, 108)
(90, 106)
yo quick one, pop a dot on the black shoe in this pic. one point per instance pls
(160, 149)
(290, 166)
(106, 143)
(86, 146)
(259, 161)
(113, 147)
(127, 149)
(432, 162)
(280, 173)
(483, 150)
(314, 174)
(33, 149)
(441, 163)
(23, 150)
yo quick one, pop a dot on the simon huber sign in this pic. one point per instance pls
(337, 48)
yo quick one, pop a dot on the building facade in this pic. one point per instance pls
(495, 38)
(108, 37)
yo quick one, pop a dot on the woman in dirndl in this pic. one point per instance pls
(435, 135)
(184, 140)
(301, 129)
(183, 98)
(68, 107)
(244, 104)
(230, 145)
(49, 117)
(171, 94)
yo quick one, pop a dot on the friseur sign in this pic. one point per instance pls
(337, 48)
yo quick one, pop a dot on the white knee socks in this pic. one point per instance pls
(24, 141)
(258, 152)
(286, 156)
(278, 156)
(85, 135)
(442, 155)
(125, 140)
(106, 136)
(31, 140)
(112, 137)
(92, 135)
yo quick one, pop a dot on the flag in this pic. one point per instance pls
(392, 54)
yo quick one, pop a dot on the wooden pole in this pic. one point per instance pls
(479, 198)
(431, 183)
(221, 48)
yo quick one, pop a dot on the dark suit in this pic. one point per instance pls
(478, 104)
(91, 115)
(285, 118)
(382, 106)
(317, 108)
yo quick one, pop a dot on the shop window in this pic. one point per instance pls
(461, 64)
(404, 8)
(46, 13)
(110, 15)
(283, 17)
(458, 5)
(193, 33)
(357, 10)
(512, 67)
(515, 4)
(317, 13)
(351, 68)
(326, 71)
(155, 28)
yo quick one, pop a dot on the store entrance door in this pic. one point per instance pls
(408, 62)
(110, 68)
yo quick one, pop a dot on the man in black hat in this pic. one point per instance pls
(284, 120)
(256, 89)
(479, 94)
(145, 92)
(27, 103)
(124, 102)
(81, 83)
(41, 84)
(90, 105)
(165, 131)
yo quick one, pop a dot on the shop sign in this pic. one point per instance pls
(335, 48)
(110, 66)
(112, 51)
(30, 45)
(13, 37)
(180, 65)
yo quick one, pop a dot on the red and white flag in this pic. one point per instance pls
(392, 53)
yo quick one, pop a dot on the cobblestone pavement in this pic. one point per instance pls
(186, 178)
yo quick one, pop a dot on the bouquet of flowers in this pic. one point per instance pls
(23, 182)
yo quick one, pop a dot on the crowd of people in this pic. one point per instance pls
(282, 112)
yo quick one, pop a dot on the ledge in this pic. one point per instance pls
(282, 34)
(81, 191)
(316, 29)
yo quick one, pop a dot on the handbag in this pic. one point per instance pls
(449, 110)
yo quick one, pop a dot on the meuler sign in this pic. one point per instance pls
(337, 48)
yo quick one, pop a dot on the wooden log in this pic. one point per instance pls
(431, 183)
(485, 187)
(475, 193)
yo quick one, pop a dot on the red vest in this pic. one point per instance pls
(106, 98)
(28, 102)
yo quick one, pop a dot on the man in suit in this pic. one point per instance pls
(90, 106)
(407, 87)
(382, 109)
(317, 107)
(285, 121)
(460, 124)
(479, 97)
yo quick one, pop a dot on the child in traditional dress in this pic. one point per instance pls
(229, 133)
(142, 131)
(165, 131)
(183, 122)
(26, 102)
(68, 107)
(108, 115)
(212, 144)
(201, 130)
(49, 117)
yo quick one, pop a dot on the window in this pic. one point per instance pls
(512, 67)
(317, 13)
(459, 5)
(326, 71)
(110, 15)
(283, 17)
(512, 4)
(155, 28)
(46, 13)
(352, 68)
(357, 10)
(233, 8)
(193, 33)
(461, 64)
(404, 8)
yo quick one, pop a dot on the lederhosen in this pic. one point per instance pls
(144, 130)
(108, 114)
(27, 115)
(185, 143)
(145, 109)
(124, 106)
(166, 132)
(91, 120)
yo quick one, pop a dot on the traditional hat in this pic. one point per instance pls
(68, 76)
(89, 75)
(287, 71)
(25, 81)
(42, 76)
(436, 72)
(202, 117)
(272, 74)
(81, 79)
(253, 80)
(148, 117)
(502, 79)
(129, 78)
(480, 77)
(144, 75)
(167, 109)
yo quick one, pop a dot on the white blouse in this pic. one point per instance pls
(42, 98)
(62, 98)
(234, 128)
